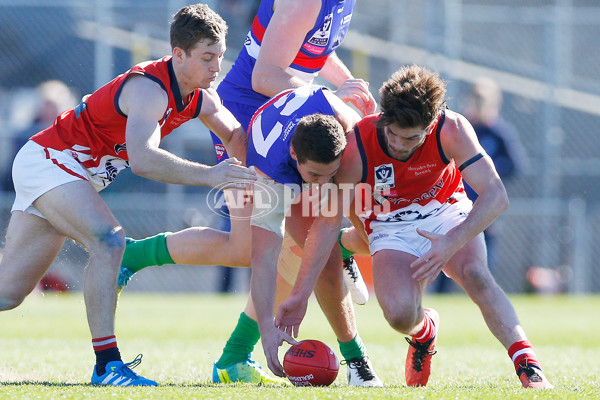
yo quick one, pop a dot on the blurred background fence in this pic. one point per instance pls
(544, 55)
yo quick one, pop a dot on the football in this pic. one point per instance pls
(311, 363)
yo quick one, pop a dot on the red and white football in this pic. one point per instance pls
(311, 363)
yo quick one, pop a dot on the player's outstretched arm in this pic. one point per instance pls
(320, 241)
(144, 102)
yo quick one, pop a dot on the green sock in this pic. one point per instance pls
(143, 253)
(345, 252)
(353, 349)
(240, 343)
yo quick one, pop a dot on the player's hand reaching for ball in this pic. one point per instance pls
(290, 314)
(272, 338)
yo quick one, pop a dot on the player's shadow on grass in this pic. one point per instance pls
(180, 385)
(41, 383)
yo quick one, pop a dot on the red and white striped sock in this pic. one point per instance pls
(521, 352)
(106, 351)
(104, 343)
(428, 330)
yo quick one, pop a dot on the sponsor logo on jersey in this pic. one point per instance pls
(289, 128)
(384, 177)
(422, 169)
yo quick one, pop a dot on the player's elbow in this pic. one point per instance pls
(140, 168)
(501, 199)
(260, 80)
(258, 83)
(505, 203)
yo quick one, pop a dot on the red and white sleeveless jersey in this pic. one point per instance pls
(94, 132)
(404, 190)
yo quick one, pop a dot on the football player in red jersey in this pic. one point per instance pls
(411, 159)
(60, 171)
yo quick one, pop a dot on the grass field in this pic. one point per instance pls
(45, 349)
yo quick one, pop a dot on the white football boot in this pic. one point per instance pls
(354, 281)
(361, 373)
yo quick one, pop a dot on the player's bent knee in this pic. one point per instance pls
(402, 319)
(108, 244)
(477, 278)
(111, 239)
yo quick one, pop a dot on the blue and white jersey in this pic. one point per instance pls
(273, 125)
(321, 41)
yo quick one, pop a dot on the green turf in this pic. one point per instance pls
(45, 349)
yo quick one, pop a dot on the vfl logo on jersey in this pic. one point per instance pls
(321, 37)
(384, 177)
(120, 147)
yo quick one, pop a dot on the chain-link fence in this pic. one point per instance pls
(544, 55)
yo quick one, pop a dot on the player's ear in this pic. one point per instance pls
(293, 153)
(178, 54)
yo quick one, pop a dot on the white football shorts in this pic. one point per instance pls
(37, 170)
(271, 203)
(403, 236)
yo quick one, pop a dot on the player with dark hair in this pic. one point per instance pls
(312, 120)
(318, 135)
(60, 170)
(411, 159)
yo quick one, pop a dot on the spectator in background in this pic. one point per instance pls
(53, 97)
(501, 142)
